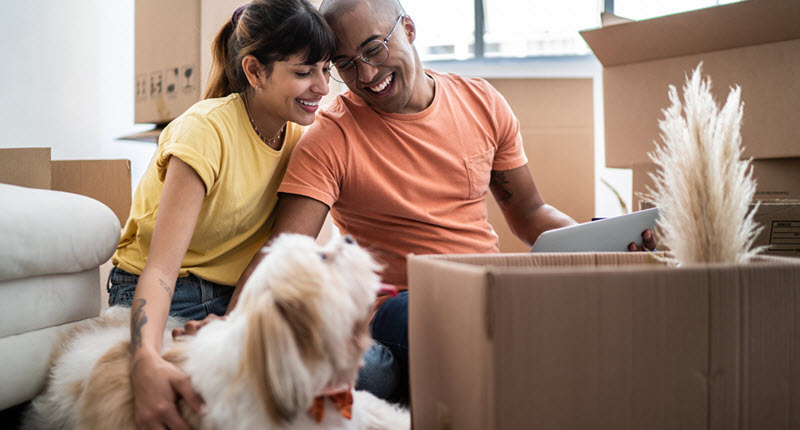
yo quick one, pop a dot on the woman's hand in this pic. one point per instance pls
(156, 385)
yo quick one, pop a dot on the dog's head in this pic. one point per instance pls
(307, 309)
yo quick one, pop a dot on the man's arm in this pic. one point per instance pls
(295, 214)
(523, 207)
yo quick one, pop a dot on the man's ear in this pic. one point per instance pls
(410, 28)
(253, 70)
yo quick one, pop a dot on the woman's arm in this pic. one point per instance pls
(155, 381)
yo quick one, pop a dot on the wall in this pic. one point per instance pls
(67, 79)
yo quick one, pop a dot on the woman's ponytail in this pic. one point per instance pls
(219, 83)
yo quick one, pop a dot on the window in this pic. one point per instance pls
(446, 30)
(526, 28)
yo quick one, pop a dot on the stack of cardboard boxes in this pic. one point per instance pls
(753, 44)
(172, 50)
(619, 340)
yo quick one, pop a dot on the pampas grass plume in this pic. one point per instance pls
(702, 187)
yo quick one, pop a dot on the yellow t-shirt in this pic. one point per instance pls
(241, 175)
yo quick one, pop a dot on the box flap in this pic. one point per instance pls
(607, 19)
(440, 285)
(717, 28)
(150, 136)
(25, 167)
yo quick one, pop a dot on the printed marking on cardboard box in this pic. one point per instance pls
(141, 86)
(167, 82)
(187, 73)
(171, 81)
(156, 83)
(785, 236)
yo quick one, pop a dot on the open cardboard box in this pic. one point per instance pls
(603, 341)
(108, 181)
(754, 44)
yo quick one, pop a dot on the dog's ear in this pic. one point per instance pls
(282, 338)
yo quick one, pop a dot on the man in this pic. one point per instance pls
(404, 161)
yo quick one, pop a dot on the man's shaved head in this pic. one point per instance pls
(383, 10)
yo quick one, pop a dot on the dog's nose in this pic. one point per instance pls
(349, 239)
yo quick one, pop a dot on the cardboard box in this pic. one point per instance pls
(754, 44)
(781, 232)
(777, 178)
(108, 181)
(26, 167)
(556, 119)
(173, 54)
(173, 60)
(780, 222)
(603, 341)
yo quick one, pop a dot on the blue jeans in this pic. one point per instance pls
(193, 299)
(385, 371)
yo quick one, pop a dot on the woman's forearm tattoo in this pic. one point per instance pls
(166, 288)
(138, 321)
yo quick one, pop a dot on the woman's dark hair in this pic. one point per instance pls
(270, 30)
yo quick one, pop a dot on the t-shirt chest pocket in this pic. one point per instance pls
(479, 170)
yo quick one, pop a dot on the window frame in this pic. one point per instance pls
(479, 57)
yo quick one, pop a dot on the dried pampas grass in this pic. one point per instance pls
(702, 187)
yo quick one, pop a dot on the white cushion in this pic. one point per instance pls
(44, 232)
(26, 360)
(47, 300)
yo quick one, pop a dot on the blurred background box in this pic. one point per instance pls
(753, 44)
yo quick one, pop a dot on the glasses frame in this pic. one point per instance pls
(364, 60)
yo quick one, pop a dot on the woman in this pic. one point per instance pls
(205, 204)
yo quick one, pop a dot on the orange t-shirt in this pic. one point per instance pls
(410, 183)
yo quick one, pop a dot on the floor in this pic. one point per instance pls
(10, 418)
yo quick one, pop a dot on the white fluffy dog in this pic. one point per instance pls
(283, 358)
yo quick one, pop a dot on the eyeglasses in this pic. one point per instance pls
(374, 53)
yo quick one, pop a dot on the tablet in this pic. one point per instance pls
(604, 235)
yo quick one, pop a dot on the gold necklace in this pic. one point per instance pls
(271, 142)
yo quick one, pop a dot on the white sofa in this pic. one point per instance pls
(52, 244)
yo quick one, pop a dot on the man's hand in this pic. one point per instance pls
(191, 327)
(156, 385)
(648, 242)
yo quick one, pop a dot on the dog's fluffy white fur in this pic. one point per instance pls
(301, 325)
